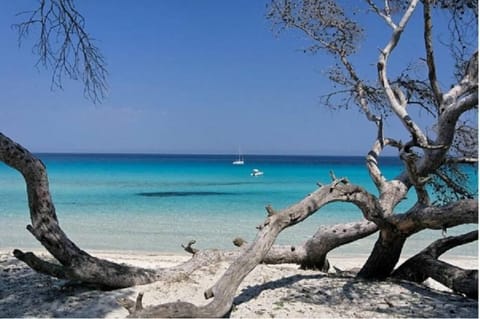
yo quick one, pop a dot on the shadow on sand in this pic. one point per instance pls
(387, 298)
(25, 293)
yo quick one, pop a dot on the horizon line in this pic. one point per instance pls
(199, 154)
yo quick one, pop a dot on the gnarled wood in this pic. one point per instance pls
(388, 247)
(460, 98)
(425, 264)
(384, 256)
(223, 292)
(460, 280)
(313, 253)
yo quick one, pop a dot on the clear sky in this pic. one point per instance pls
(185, 77)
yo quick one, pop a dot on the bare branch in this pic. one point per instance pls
(64, 46)
(360, 90)
(416, 91)
(372, 157)
(189, 249)
(425, 264)
(418, 181)
(436, 217)
(41, 266)
(323, 21)
(312, 254)
(395, 97)
(385, 14)
(427, 36)
(462, 24)
(459, 99)
(450, 183)
(467, 87)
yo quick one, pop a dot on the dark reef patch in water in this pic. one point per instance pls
(182, 194)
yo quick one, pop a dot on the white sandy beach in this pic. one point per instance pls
(269, 291)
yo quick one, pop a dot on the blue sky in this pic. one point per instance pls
(185, 77)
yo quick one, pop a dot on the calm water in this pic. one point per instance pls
(157, 202)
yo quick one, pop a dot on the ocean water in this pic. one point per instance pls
(157, 202)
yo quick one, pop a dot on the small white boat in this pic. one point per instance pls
(256, 172)
(239, 160)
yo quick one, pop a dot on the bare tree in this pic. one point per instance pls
(428, 160)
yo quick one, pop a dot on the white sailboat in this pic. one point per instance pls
(239, 160)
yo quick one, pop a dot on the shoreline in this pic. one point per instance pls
(268, 291)
(347, 259)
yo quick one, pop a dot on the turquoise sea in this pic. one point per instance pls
(157, 202)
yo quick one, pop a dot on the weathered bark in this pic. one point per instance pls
(74, 263)
(436, 217)
(451, 105)
(426, 264)
(313, 253)
(460, 280)
(223, 292)
(388, 247)
(384, 256)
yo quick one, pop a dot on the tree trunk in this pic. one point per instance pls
(384, 256)
(395, 229)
